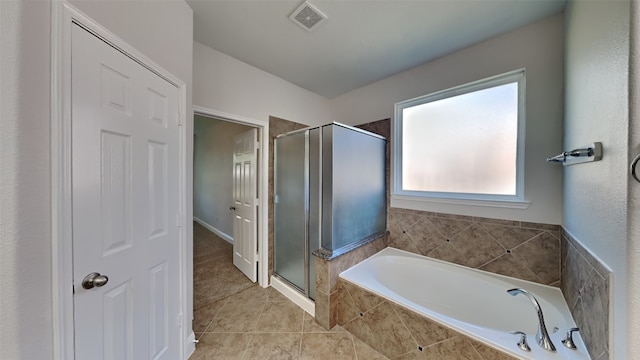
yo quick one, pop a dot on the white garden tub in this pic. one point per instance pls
(470, 301)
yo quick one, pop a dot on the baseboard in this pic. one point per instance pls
(305, 303)
(222, 235)
(190, 346)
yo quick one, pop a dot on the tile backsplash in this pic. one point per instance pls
(518, 249)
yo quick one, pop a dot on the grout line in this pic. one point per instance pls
(395, 311)
(353, 343)
(304, 314)
(264, 305)
(246, 347)
(216, 314)
(300, 346)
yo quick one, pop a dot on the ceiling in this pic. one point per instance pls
(362, 41)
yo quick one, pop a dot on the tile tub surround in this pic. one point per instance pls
(586, 288)
(327, 272)
(527, 251)
(277, 126)
(399, 333)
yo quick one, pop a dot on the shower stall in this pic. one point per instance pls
(329, 194)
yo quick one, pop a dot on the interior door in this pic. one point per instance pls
(245, 154)
(126, 242)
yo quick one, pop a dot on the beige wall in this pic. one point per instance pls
(213, 171)
(596, 109)
(538, 48)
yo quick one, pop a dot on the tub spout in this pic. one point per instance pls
(542, 337)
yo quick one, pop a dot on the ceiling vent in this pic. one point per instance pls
(307, 16)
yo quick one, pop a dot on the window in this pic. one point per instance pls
(463, 145)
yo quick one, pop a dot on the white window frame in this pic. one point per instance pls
(417, 199)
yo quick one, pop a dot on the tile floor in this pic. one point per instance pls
(214, 275)
(235, 319)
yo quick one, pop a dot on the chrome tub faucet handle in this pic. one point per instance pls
(542, 337)
(522, 344)
(568, 340)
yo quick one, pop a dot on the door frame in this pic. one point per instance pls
(63, 16)
(262, 181)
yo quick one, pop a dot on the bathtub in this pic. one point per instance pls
(472, 302)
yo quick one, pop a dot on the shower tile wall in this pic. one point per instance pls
(523, 250)
(399, 333)
(586, 286)
(277, 126)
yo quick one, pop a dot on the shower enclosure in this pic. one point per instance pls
(329, 193)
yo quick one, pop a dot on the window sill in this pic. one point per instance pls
(423, 203)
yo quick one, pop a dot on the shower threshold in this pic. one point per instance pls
(293, 294)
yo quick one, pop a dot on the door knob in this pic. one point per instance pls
(233, 208)
(94, 280)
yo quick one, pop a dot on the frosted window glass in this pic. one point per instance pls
(462, 144)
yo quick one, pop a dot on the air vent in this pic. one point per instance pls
(307, 16)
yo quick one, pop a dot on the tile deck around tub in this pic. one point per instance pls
(399, 333)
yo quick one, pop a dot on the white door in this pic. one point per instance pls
(125, 206)
(245, 154)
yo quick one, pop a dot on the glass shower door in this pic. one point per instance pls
(291, 208)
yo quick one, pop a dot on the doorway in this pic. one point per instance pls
(216, 233)
(213, 176)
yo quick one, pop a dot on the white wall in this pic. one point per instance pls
(225, 84)
(213, 171)
(539, 49)
(25, 241)
(596, 95)
(633, 251)
(25, 238)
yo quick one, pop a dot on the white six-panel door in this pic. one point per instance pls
(244, 203)
(125, 205)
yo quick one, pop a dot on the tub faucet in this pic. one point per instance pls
(542, 337)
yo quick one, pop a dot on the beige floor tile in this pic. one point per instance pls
(253, 294)
(276, 296)
(274, 346)
(237, 316)
(236, 319)
(366, 352)
(331, 345)
(281, 317)
(310, 324)
(203, 316)
(227, 346)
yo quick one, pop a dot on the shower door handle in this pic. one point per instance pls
(632, 167)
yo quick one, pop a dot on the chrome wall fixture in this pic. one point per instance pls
(587, 153)
(632, 168)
